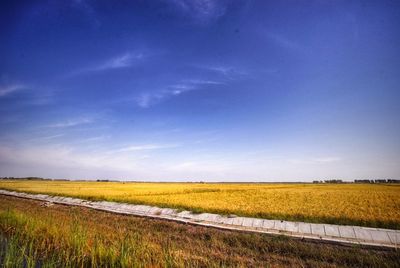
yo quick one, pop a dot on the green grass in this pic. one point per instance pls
(62, 236)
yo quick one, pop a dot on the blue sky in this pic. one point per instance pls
(200, 90)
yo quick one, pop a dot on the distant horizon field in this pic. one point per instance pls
(372, 205)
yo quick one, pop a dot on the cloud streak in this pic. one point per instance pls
(148, 99)
(145, 147)
(71, 123)
(226, 72)
(88, 10)
(284, 42)
(121, 61)
(9, 89)
(201, 11)
(329, 159)
(316, 160)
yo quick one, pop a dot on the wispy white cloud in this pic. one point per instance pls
(71, 122)
(220, 69)
(200, 168)
(58, 157)
(64, 161)
(226, 72)
(45, 138)
(283, 41)
(145, 100)
(328, 159)
(30, 94)
(87, 9)
(9, 89)
(121, 61)
(148, 99)
(95, 139)
(203, 82)
(316, 160)
(201, 11)
(145, 147)
(184, 166)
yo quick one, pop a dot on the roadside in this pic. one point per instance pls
(321, 232)
(79, 236)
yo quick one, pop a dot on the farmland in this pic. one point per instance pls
(62, 236)
(356, 204)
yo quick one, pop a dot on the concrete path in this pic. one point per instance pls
(326, 232)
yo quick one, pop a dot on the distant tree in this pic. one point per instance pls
(333, 181)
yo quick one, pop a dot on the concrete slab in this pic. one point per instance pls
(292, 227)
(125, 207)
(121, 209)
(280, 225)
(154, 211)
(146, 209)
(202, 216)
(212, 217)
(143, 208)
(347, 232)
(332, 230)
(257, 223)
(268, 224)
(67, 199)
(166, 211)
(106, 204)
(380, 236)
(304, 228)
(135, 208)
(228, 221)
(238, 221)
(247, 222)
(217, 219)
(317, 229)
(73, 201)
(363, 234)
(394, 237)
(220, 219)
(183, 213)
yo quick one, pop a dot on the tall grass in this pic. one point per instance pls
(60, 236)
(31, 241)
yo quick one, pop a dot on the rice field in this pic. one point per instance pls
(374, 205)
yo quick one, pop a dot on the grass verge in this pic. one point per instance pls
(62, 236)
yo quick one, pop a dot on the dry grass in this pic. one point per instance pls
(360, 204)
(62, 236)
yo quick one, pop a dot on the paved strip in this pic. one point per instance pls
(326, 232)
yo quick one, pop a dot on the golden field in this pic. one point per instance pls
(375, 205)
